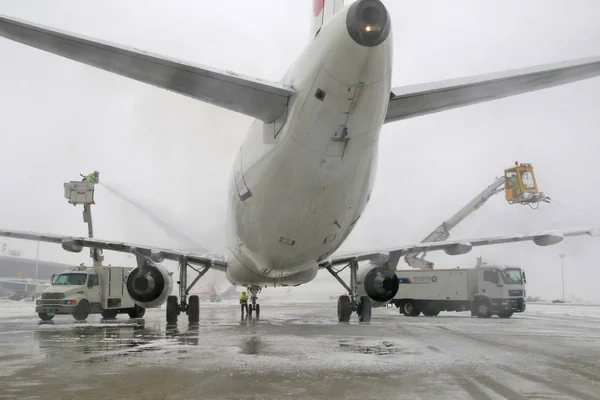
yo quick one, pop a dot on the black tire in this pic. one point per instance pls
(430, 311)
(410, 309)
(506, 314)
(344, 309)
(172, 310)
(483, 308)
(82, 310)
(109, 314)
(364, 309)
(257, 311)
(136, 312)
(250, 309)
(193, 311)
(45, 316)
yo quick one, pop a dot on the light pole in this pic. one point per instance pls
(562, 273)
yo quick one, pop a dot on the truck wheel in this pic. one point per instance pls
(45, 316)
(410, 309)
(506, 314)
(431, 313)
(82, 310)
(193, 311)
(109, 314)
(136, 312)
(483, 308)
(172, 310)
(430, 310)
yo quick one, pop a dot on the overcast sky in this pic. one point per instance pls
(60, 118)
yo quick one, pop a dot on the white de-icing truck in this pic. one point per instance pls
(484, 290)
(81, 291)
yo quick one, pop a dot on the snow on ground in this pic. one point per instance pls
(567, 310)
(10, 308)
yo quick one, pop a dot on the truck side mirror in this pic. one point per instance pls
(524, 277)
(53, 279)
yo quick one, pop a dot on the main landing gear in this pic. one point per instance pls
(347, 304)
(190, 306)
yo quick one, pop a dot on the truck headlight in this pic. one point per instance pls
(70, 302)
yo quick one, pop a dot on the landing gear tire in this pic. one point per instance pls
(82, 310)
(410, 309)
(136, 312)
(109, 314)
(507, 314)
(257, 310)
(45, 316)
(483, 309)
(193, 311)
(364, 309)
(250, 310)
(172, 310)
(344, 309)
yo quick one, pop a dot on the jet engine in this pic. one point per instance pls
(150, 288)
(378, 282)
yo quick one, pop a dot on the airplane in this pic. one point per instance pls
(305, 171)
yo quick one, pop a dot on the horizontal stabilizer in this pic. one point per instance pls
(413, 101)
(249, 96)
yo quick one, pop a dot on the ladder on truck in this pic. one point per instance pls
(77, 192)
(520, 187)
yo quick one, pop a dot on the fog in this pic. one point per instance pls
(174, 154)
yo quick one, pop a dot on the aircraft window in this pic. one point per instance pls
(71, 279)
(527, 179)
(512, 180)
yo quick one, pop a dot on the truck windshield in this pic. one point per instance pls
(71, 279)
(512, 276)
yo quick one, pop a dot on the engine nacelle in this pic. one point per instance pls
(378, 282)
(150, 289)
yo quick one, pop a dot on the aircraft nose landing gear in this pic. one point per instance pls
(254, 307)
(351, 303)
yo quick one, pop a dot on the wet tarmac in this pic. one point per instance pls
(300, 351)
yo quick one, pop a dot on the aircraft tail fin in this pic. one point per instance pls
(322, 11)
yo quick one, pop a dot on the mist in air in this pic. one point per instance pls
(173, 156)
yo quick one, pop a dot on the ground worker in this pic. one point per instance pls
(93, 177)
(244, 302)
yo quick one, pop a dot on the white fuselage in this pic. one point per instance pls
(300, 184)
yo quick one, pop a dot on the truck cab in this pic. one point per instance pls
(504, 287)
(81, 291)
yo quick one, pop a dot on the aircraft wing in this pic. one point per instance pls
(458, 247)
(413, 101)
(253, 97)
(76, 244)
